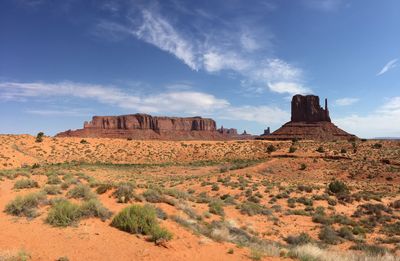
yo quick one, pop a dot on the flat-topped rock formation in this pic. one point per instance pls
(309, 121)
(145, 127)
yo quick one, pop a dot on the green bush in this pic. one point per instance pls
(103, 188)
(214, 187)
(271, 148)
(52, 189)
(53, 180)
(301, 239)
(251, 209)
(216, 207)
(124, 193)
(81, 191)
(39, 137)
(63, 213)
(94, 208)
(338, 187)
(328, 236)
(25, 183)
(153, 196)
(137, 219)
(25, 205)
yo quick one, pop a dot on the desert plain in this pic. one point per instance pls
(70, 198)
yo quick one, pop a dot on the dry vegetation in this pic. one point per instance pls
(68, 199)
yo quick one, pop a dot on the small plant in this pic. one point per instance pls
(343, 151)
(53, 180)
(124, 193)
(303, 166)
(328, 236)
(137, 219)
(230, 251)
(271, 148)
(83, 141)
(81, 191)
(94, 208)
(377, 146)
(320, 149)
(292, 149)
(25, 205)
(338, 187)
(63, 213)
(39, 137)
(214, 187)
(25, 183)
(52, 190)
(256, 254)
(103, 188)
(216, 207)
(153, 196)
(301, 239)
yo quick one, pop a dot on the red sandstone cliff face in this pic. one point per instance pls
(308, 121)
(307, 109)
(143, 126)
(148, 122)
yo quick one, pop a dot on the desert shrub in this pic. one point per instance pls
(346, 233)
(320, 149)
(161, 214)
(305, 188)
(176, 193)
(292, 149)
(124, 193)
(321, 218)
(251, 209)
(53, 179)
(153, 196)
(301, 239)
(271, 148)
(94, 208)
(81, 191)
(395, 204)
(331, 202)
(373, 250)
(256, 254)
(303, 166)
(377, 146)
(214, 187)
(338, 187)
(159, 235)
(137, 219)
(343, 220)
(216, 207)
(25, 205)
(103, 188)
(83, 141)
(39, 137)
(392, 229)
(25, 183)
(328, 236)
(63, 213)
(52, 189)
(343, 151)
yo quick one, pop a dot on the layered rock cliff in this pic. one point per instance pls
(143, 126)
(309, 121)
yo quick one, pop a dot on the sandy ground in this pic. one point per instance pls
(178, 165)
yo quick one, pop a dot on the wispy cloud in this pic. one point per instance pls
(171, 102)
(60, 112)
(212, 45)
(346, 101)
(325, 5)
(288, 87)
(383, 122)
(390, 65)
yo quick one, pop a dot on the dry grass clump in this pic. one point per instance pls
(25, 205)
(25, 183)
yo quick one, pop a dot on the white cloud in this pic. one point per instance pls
(172, 102)
(346, 101)
(382, 122)
(324, 5)
(261, 114)
(210, 48)
(390, 65)
(288, 87)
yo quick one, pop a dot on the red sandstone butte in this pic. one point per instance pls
(309, 121)
(147, 127)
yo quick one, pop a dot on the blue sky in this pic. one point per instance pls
(239, 62)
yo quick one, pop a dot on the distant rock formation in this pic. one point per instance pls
(309, 121)
(143, 126)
